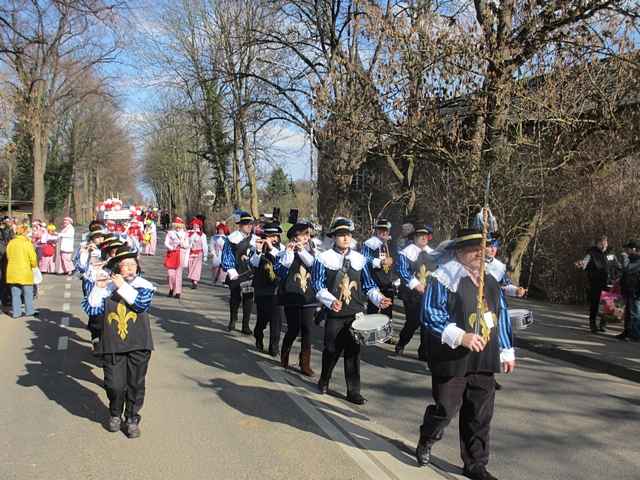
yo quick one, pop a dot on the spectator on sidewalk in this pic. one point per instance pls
(630, 285)
(21, 260)
(596, 264)
(6, 234)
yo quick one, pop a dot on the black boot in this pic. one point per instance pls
(478, 473)
(329, 361)
(423, 453)
(233, 319)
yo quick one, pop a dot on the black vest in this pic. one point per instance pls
(447, 362)
(384, 276)
(598, 267)
(240, 250)
(265, 279)
(296, 287)
(123, 329)
(345, 285)
(421, 268)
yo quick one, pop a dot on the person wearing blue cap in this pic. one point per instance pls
(414, 268)
(235, 261)
(341, 278)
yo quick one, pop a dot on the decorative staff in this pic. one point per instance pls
(480, 304)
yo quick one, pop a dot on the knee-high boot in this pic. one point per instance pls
(233, 317)
(329, 361)
(305, 362)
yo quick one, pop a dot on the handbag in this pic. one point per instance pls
(172, 259)
(37, 276)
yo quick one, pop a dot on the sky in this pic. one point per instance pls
(139, 98)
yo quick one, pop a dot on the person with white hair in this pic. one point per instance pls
(66, 238)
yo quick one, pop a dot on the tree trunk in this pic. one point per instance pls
(520, 249)
(236, 165)
(39, 138)
(250, 167)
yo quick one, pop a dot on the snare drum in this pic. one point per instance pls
(371, 329)
(520, 318)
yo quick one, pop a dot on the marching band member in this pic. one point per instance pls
(376, 251)
(294, 269)
(197, 251)
(463, 362)
(265, 287)
(413, 268)
(499, 270)
(216, 247)
(48, 246)
(235, 261)
(341, 278)
(176, 242)
(64, 263)
(121, 302)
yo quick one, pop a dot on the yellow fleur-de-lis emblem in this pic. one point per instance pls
(423, 274)
(485, 331)
(268, 268)
(386, 268)
(345, 289)
(121, 317)
(303, 278)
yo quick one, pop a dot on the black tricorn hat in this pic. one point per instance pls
(632, 244)
(245, 218)
(98, 233)
(466, 237)
(421, 228)
(298, 228)
(122, 253)
(341, 225)
(272, 228)
(383, 223)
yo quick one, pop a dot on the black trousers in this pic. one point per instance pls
(95, 326)
(473, 396)
(268, 313)
(593, 294)
(124, 380)
(237, 298)
(299, 321)
(411, 324)
(338, 340)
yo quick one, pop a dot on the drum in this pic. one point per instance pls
(520, 318)
(371, 329)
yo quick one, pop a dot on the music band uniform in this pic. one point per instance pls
(298, 298)
(347, 278)
(375, 250)
(463, 380)
(414, 269)
(265, 286)
(235, 261)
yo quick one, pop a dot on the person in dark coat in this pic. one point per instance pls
(597, 266)
(630, 286)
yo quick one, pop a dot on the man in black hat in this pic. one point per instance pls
(341, 278)
(466, 348)
(235, 261)
(265, 286)
(376, 251)
(630, 285)
(122, 302)
(414, 268)
(293, 267)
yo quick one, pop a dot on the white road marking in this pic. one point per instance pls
(377, 457)
(67, 286)
(63, 343)
(68, 278)
(67, 294)
(66, 307)
(64, 322)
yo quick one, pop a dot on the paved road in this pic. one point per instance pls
(218, 409)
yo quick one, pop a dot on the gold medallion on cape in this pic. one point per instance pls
(121, 318)
(485, 331)
(302, 277)
(345, 289)
(268, 268)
